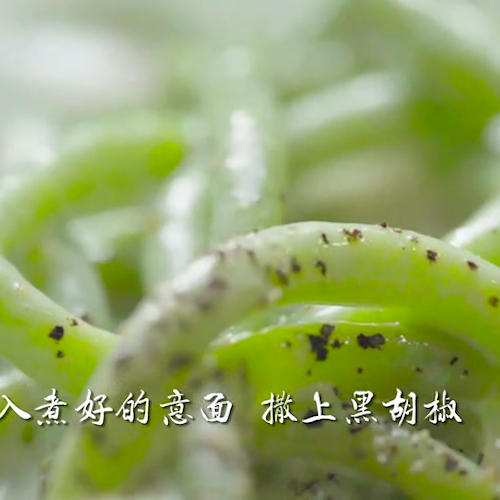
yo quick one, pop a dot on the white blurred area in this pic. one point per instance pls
(57, 70)
(63, 71)
(66, 60)
(74, 57)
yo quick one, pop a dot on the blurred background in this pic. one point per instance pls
(390, 106)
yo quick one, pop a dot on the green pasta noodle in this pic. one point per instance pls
(35, 330)
(183, 207)
(248, 165)
(286, 264)
(64, 275)
(135, 152)
(330, 123)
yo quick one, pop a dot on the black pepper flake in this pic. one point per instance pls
(480, 459)
(86, 317)
(354, 235)
(204, 305)
(463, 472)
(493, 301)
(217, 284)
(419, 370)
(384, 225)
(331, 477)
(73, 322)
(324, 239)
(308, 372)
(450, 463)
(355, 429)
(310, 486)
(371, 341)
(465, 373)
(472, 265)
(252, 256)
(282, 276)
(453, 360)
(336, 391)
(60, 354)
(57, 333)
(432, 256)
(326, 330)
(336, 344)
(318, 346)
(360, 370)
(309, 414)
(296, 267)
(319, 264)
